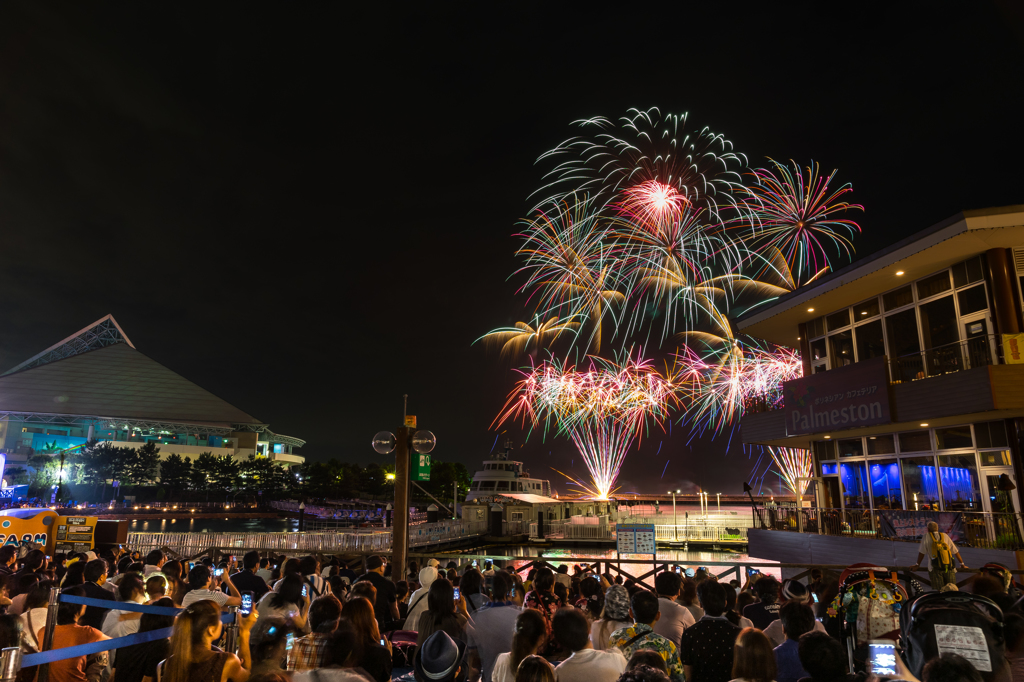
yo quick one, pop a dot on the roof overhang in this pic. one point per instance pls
(940, 246)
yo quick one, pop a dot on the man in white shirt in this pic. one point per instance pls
(265, 571)
(562, 576)
(205, 585)
(940, 551)
(155, 561)
(586, 664)
(675, 617)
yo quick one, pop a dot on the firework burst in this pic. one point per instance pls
(798, 216)
(647, 159)
(603, 409)
(570, 264)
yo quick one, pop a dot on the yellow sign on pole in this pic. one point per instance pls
(1013, 348)
(410, 421)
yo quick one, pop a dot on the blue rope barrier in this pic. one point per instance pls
(121, 605)
(94, 647)
(107, 644)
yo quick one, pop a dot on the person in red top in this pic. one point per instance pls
(69, 633)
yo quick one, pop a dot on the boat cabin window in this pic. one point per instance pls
(502, 485)
(486, 485)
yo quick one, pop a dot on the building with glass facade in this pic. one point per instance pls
(913, 388)
(96, 384)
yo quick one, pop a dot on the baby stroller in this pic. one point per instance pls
(958, 622)
(867, 607)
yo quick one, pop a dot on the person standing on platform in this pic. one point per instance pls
(940, 551)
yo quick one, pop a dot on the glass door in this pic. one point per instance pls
(977, 343)
(1003, 522)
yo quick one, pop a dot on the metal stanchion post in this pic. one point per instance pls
(231, 632)
(51, 625)
(10, 664)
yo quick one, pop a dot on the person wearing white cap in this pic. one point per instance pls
(792, 591)
(418, 599)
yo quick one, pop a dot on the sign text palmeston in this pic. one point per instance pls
(844, 398)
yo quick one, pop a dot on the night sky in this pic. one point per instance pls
(308, 209)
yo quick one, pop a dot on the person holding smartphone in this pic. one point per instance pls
(204, 584)
(287, 602)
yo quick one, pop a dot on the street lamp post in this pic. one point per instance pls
(400, 443)
(675, 520)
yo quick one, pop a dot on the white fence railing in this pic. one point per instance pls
(569, 530)
(363, 540)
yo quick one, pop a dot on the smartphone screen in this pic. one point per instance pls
(456, 594)
(218, 571)
(289, 638)
(246, 608)
(814, 596)
(382, 643)
(882, 655)
(474, 563)
(305, 590)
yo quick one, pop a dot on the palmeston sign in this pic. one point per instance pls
(844, 398)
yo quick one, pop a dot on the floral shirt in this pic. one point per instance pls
(626, 639)
(547, 603)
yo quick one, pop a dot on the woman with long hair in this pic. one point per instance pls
(535, 669)
(192, 657)
(33, 617)
(138, 662)
(753, 659)
(176, 587)
(443, 613)
(614, 615)
(591, 600)
(75, 575)
(529, 636)
(287, 602)
(289, 567)
(69, 633)
(543, 598)
(689, 599)
(471, 586)
(367, 651)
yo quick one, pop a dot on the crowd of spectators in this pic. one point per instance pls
(324, 622)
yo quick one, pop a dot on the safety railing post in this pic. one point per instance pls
(231, 632)
(51, 625)
(10, 664)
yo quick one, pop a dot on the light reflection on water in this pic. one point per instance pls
(213, 525)
(688, 558)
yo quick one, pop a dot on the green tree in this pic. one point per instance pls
(16, 476)
(43, 474)
(262, 474)
(142, 465)
(225, 476)
(176, 472)
(204, 471)
(444, 476)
